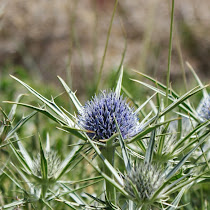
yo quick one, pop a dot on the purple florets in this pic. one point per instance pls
(98, 116)
(204, 109)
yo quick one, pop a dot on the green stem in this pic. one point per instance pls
(44, 190)
(108, 153)
(169, 51)
(179, 134)
(40, 204)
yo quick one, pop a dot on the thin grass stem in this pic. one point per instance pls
(106, 46)
(181, 62)
(170, 52)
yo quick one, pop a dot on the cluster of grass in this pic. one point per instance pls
(137, 144)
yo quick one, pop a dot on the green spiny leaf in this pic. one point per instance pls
(71, 95)
(119, 83)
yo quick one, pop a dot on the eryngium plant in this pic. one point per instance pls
(142, 181)
(98, 116)
(97, 120)
(39, 179)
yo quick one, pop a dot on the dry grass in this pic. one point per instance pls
(45, 36)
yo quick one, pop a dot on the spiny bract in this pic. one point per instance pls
(53, 164)
(142, 181)
(98, 116)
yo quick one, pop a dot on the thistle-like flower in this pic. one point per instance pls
(143, 181)
(99, 114)
(172, 132)
(53, 163)
(204, 109)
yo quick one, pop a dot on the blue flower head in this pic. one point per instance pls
(204, 109)
(98, 116)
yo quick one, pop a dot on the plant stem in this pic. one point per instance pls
(44, 190)
(179, 134)
(108, 153)
(40, 204)
(169, 51)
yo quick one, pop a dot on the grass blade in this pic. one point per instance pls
(19, 125)
(148, 129)
(106, 45)
(180, 100)
(173, 95)
(198, 128)
(170, 51)
(25, 155)
(74, 131)
(66, 163)
(124, 150)
(112, 181)
(41, 110)
(140, 108)
(14, 107)
(19, 156)
(105, 161)
(150, 149)
(184, 159)
(49, 103)
(14, 204)
(119, 83)
(71, 95)
(175, 203)
(44, 164)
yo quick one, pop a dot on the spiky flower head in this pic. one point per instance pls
(53, 163)
(98, 116)
(204, 109)
(172, 132)
(142, 181)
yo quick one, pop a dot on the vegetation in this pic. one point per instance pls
(136, 144)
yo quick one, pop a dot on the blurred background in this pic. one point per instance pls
(45, 38)
(40, 39)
